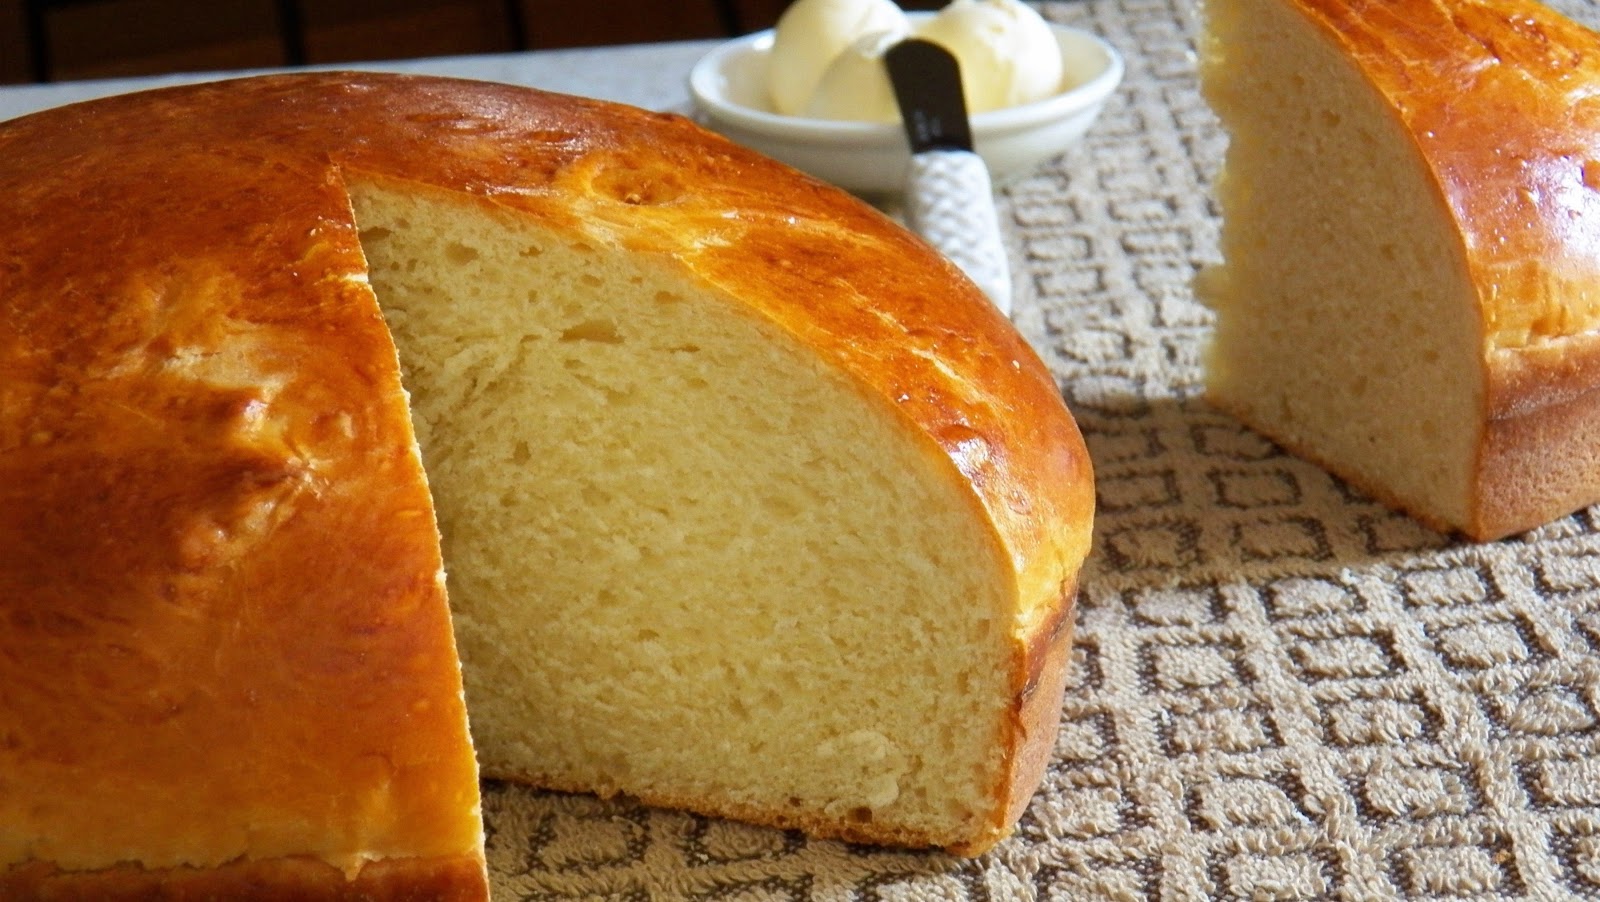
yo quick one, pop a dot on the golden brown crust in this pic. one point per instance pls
(1538, 457)
(1035, 719)
(225, 632)
(232, 190)
(459, 879)
(1499, 97)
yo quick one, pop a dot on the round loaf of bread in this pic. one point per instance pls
(750, 503)
(1411, 289)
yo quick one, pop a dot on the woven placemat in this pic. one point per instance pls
(1282, 690)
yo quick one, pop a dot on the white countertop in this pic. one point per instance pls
(646, 75)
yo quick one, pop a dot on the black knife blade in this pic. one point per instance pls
(927, 86)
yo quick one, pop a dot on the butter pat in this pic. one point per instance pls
(811, 34)
(856, 84)
(1007, 52)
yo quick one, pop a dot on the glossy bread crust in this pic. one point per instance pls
(1499, 97)
(115, 212)
(225, 634)
(460, 879)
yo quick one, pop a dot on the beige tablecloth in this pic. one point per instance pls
(1282, 690)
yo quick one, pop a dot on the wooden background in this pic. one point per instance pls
(60, 40)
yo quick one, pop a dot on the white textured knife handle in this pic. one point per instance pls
(950, 203)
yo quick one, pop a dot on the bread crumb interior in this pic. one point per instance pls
(687, 561)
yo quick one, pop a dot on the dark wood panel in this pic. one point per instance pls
(341, 30)
(583, 23)
(98, 38)
(754, 15)
(15, 62)
(136, 37)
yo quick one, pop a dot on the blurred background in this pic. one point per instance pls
(65, 40)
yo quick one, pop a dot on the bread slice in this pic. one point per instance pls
(1410, 292)
(750, 503)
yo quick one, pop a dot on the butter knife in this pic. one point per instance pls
(949, 195)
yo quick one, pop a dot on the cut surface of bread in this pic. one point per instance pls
(1404, 298)
(749, 503)
(748, 600)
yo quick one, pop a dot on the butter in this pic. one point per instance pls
(856, 84)
(811, 34)
(1007, 52)
(827, 56)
